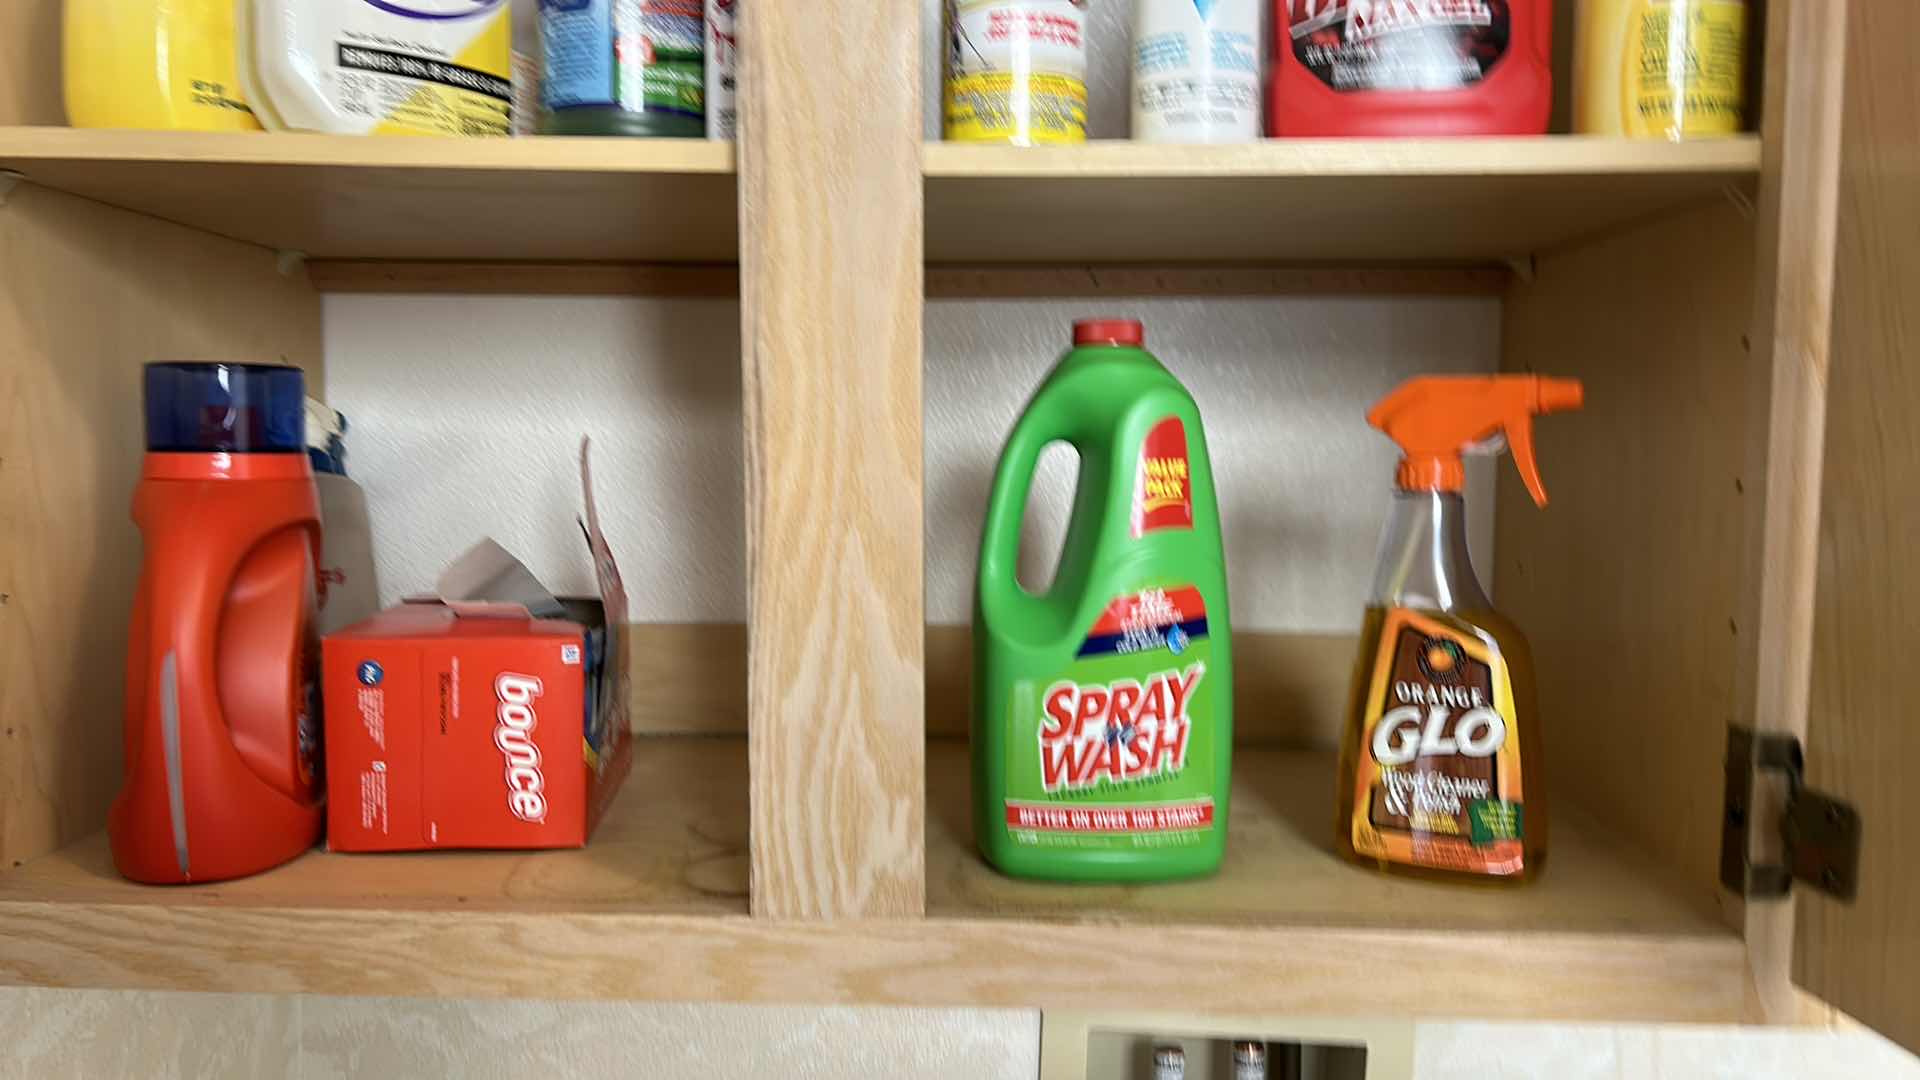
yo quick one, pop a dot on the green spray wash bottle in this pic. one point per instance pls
(1103, 707)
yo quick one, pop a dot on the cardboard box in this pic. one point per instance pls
(490, 715)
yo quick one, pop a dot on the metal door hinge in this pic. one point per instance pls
(1819, 835)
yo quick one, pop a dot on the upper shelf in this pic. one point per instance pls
(666, 200)
(675, 200)
(1346, 200)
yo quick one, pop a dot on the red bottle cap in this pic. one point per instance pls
(1109, 332)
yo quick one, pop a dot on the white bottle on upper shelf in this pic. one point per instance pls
(1196, 71)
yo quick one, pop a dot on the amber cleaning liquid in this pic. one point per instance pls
(1441, 769)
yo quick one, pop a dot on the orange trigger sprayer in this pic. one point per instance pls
(1437, 418)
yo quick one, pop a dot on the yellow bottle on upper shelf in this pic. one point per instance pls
(164, 64)
(1660, 69)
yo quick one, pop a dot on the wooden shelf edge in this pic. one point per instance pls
(331, 196)
(511, 278)
(1547, 155)
(932, 962)
(942, 282)
(1281, 158)
(20, 146)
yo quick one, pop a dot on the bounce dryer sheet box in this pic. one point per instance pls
(491, 715)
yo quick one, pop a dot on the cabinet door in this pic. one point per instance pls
(1863, 732)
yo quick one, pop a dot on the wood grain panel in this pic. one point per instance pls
(87, 295)
(1792, 328)
(346, 196)
(1281, 870)
(942, 282)
(934, 962)
(30, 86)
(654, 909)
(1491, 158)
(687, 678)
(674, 841)
(1862, 739)
(1628, 583)
(1021, 282)
(525, 278)
(830, 267)
(1284, 200)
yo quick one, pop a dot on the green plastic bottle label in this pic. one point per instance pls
(1117, 751)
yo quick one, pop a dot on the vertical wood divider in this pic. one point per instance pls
(831, 292)
(1798, 213)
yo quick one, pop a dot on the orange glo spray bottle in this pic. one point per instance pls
(1441, 770)
(221, 725)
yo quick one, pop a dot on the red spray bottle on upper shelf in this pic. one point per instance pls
(1411, 67)
(222, 729)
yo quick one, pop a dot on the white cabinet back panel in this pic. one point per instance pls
(466, 415)
(466, 412)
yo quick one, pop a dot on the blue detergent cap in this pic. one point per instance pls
(231, 408)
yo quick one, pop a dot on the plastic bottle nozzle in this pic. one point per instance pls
(1436, 418)
(1560, 395)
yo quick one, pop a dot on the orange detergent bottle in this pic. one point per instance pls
(1441, 770)
(221, 725)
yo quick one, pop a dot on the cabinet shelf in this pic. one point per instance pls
(1281, 870)
(655, 908)
(673, 842)
(1340, 200)
(674, 200)
(574, 199)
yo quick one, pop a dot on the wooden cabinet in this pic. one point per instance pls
(1725, 548)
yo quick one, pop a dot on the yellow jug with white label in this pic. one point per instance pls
(1660, 69)
(164, 64)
